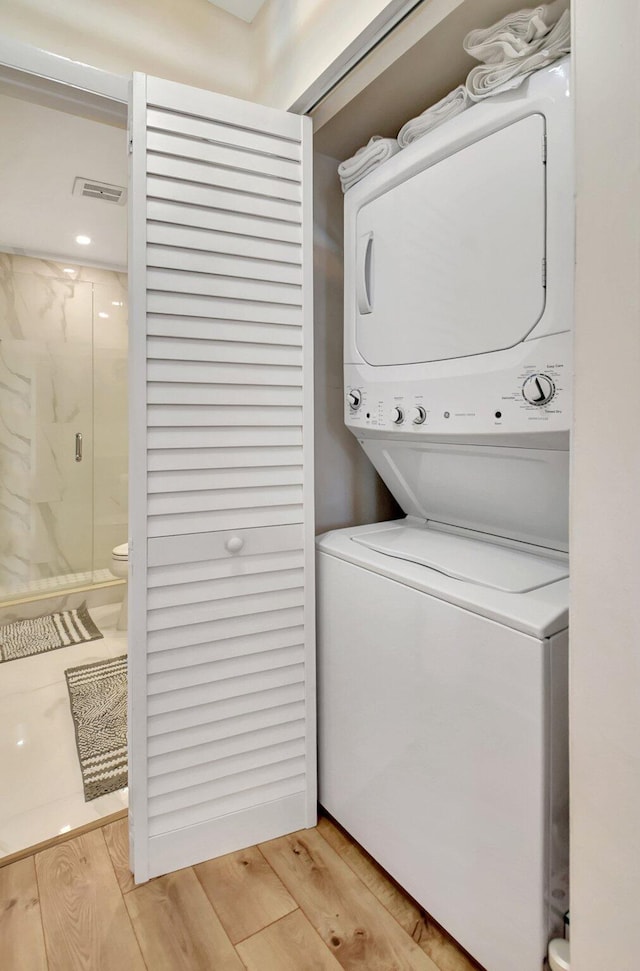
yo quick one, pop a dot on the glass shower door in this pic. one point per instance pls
(46, 428)
(110, 420)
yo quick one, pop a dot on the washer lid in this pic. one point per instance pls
(484, 563)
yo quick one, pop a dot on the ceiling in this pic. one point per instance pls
(42, 151)
(244, 9)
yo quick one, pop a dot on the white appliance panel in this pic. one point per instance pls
(472, 560)
(448, 785)
(433, 355)
(490, 392)
(471, 397)
(540, 612)
(450, 262)
(511, 492)
(444, 668)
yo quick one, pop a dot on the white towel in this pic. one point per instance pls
(513, 35)
(369, 157)
(448, 107)
(486, 80)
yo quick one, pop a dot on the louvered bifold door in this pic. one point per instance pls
(221, 633)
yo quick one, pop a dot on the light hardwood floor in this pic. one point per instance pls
(312, 901)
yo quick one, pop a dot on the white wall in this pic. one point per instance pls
(42, 151)
(296, 40)
(348, 489)
(183, 40)
(605, 614)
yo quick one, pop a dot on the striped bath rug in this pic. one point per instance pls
(38, 635)
(98, 697)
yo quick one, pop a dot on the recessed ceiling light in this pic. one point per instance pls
(83, 240)
(103, 315)
(69, 269)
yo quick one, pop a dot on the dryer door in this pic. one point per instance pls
(451, 262)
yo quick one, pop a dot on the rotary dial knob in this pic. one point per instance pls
(396, 415)
(417, 415)
(538, 389)
(354, 398)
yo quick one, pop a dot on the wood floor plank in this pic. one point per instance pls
(177, 928)
(291, 944)
(359, 931)
(426, 933)
(116, 836)
(245, 892)
(21, 936)
(86, 925)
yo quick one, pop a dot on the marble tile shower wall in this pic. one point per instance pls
(63, 370)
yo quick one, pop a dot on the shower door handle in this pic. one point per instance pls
(78, 446)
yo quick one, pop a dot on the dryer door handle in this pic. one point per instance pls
(364, 272)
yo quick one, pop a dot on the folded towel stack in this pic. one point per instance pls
(510, 50)
(450, 106)
(511, 36)
(515, 47)
(369, 157)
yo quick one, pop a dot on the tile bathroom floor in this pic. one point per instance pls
(42, 792)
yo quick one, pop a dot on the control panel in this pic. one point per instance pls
(530, 397)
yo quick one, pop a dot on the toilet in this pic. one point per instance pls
(559, 955)
(120, 569)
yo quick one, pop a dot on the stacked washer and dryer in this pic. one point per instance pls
(443, 635)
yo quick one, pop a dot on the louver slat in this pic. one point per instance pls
(182, 742)
(273, 633)
(165, 416)
(204, 305)
(256, 143)
(220, 286)
(207, 328)
(222, 731)
(224, 155)
(161, 460)
(188, 185)
(226, 220)
(221, 264)
(196, 480)
(262, 735)
(173, 727)
(222, 243)
(216, 351)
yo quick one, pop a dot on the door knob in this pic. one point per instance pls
(234, 544)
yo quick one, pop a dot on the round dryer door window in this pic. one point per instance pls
(454, 256)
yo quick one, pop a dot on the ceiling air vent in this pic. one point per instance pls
(91, 189)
